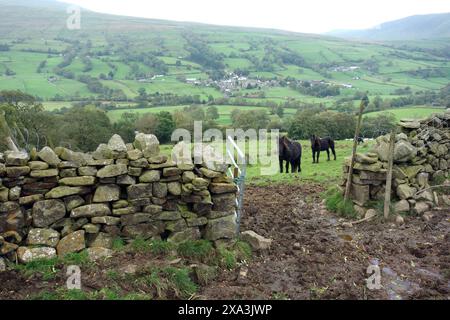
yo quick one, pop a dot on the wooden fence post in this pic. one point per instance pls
(387, 195)
(364, 103)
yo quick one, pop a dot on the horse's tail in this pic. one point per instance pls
(331, 144)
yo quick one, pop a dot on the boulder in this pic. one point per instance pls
(63, 191)
(159, 190)
(73, 202)
(404, 191)
(143, 230)
(112, 170)
(219, 188)
(43, 237)
(147, 143)
(46, 212)
(16, 158)
(402, 206)
(98, 253)
(73, 242)
(77, 181)
(107, 220)
(15, 172)
(38, 165)
(134, 154)
(150, 176)
(133, 219)
(404, 151)
(221, 228)
(256, 241)
(126, 180)
(421, 207)
(91, 210)
(117, 145)
(107, 193)
(87, 171)
(139, 191)
(26, 255)
(49, 156)
(174, 188)
(100, 240)
(185, 235)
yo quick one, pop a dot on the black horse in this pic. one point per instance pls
(318, 145)
(291, 152)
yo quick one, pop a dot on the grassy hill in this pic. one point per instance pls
(429, 26)
(114, 58)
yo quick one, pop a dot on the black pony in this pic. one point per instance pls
(318, 145)
(291, 152)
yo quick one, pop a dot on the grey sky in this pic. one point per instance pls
(312, 16)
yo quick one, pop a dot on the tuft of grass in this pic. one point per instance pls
(141, 245)
(181, 282)
(243, 250)
(76, 258)
(226, 258)
(160, 247)
(118, 244)
(45, 267)
(334, 201)
(197, 249)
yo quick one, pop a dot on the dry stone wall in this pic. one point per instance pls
(421, 155)
(55, 202)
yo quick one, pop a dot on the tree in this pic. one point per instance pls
(212, 113)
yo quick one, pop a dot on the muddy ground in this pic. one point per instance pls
(312, 256)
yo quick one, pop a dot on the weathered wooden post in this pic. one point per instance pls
(364, 103)
(387, 195)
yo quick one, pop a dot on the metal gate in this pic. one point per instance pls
(237, 172)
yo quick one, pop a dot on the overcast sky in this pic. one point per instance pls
(312, 16)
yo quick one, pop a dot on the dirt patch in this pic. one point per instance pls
(313, 257)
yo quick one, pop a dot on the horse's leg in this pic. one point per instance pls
(293, 167)
(287, 166)
(328, 154)
(281, 164)
(334, 153)
(318, 155)
(314, 156)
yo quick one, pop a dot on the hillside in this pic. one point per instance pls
(114, 58)
(431, 26)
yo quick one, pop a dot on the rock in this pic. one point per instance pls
(100, 240)
(174, 188)
(360, 194)
(140, 163)
(73, 202)
(68, 173)
(427, 216)
(205, 274)
(219, 188)
(224, 202)
(139, 191)
(399, 220)
(147, 143)
(200, 183)
(153, 209)
(73, 242)
(213, 159)
(125, 211)
(143, 230)
(91, 228)
(404, 151)
(44, 173)
(197, 222)
(421, 207)
(370, 214)
(221, 228)
(60, 192)
(43, 237)
(29, 200)
(4, 194)
(103, 151)
(409, 124)
(14, 193)
(160, 190)
(99, 162)
(112, 170)
(188, 176)
(68, 155)
(46, 212)
(404, 191)
(49, 156)
(91, 210)
(422, 180)
(109, 221)
(185, 235)
(176, 226)
(117, 145)
(170, 172)
(159, 159)
(77, 181)
(87, 171)
(107, 193)
(402, 206)
(16, 158)
(150, 176)
(2, 265)
(168, 216)
(15, 172)
(360, 211)
(347, 225)
(27, 255)
(98, 253)
(366, 159)
(256, 241)
(126, 180)
(133, 219)
(38, 165)
(134, 154)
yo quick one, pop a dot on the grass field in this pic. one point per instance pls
(409, 113)
(326, 171)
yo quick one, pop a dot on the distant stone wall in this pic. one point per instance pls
(422, 153)
(55, 202)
